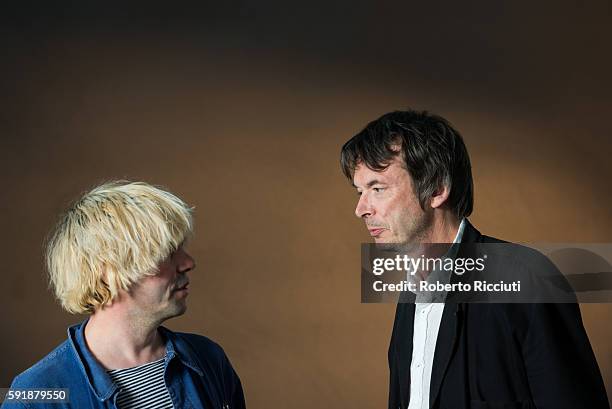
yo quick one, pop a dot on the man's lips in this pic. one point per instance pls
(183, 287)
(376, 231)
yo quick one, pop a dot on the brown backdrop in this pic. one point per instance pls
(243, 114)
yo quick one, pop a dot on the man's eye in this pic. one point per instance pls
(378, 189)
(358, 193)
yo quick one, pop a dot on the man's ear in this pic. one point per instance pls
(440, 196)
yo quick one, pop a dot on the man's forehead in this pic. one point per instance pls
(365, 176)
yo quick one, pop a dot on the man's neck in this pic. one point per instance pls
(444, 228)
(118, 340)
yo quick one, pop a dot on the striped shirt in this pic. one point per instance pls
(142, 386)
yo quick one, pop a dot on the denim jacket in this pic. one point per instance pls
(197, 373)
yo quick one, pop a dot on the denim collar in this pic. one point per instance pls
(177, 346)
(98, 379)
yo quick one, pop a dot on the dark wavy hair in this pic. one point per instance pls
(433, 153)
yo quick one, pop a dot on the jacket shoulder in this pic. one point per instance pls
(216, 364)
(489, 239)
(50, 371)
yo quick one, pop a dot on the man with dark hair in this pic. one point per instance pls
(413, 175)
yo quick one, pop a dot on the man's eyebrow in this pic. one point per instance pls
(371, 183)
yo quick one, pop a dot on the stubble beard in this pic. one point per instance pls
(419, 229)
(175, 309)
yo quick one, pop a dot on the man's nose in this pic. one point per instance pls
(186, 262)
(363, 209)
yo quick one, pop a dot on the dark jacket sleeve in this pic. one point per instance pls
(561, 368)
(233, 386)
(394, 389)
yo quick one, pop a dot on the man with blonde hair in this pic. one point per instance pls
(118, 255)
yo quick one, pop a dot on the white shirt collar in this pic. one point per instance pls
(443, 276)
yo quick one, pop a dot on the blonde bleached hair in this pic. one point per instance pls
(110, 238)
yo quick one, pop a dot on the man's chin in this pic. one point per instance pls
(177, 310)
(182, 309)
(384, 239)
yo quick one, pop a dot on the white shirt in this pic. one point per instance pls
(427, 318)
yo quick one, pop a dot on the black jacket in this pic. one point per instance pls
(501, 356)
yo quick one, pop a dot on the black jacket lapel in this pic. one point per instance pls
(401, 353)
(450, 326)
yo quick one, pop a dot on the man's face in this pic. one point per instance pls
(388, 205)
(164, 295)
